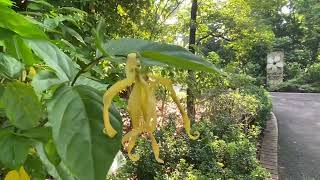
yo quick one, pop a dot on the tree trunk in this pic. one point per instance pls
(191, 77)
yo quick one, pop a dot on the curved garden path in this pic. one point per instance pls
(298, 117)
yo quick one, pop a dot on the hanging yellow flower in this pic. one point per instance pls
(17, 175)
(141, 106)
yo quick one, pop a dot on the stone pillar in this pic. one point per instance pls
(275, 63)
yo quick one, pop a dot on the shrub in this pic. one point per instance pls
(250, 102)
(300, 56)
(265, 104)
(222, 152)
(313, 73)
(240, 81)
(238, 106)
(292, 70)
(305, 81)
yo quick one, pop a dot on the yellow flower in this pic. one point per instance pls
(17, 175)
(141, 107)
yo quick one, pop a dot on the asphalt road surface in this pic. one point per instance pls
(298, 117)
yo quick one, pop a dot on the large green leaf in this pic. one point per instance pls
(75, 114)
(43, 3)
(17, 23)
(59, 172)
(43, 134)
(22, 106)
(56, 59)
(51, 152)
(98, 34)
(73, 33)
(10, 67)
(5, 3)
(14, 149)
(153, 53)
(73, 10)
(35, 168)
(44, 80)
(16, 47)
(2, 110)
(89, 81)
(6, 34)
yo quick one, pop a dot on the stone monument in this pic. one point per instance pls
(275, 63)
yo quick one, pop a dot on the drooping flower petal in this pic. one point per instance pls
(149, 104)
(134, 105)
(107, 99)
(23, 174)
(155, 148)
(12, 175)
(186, 121)
(131, 67)
(131, 138)
(131, 145)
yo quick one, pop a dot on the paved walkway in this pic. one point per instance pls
(298, 117)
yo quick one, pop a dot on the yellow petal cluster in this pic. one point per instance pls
(17, 175)
(141, 107)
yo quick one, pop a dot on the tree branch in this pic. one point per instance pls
(213, 35)
(153, 30)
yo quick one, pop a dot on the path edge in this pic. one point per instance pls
(269, 149)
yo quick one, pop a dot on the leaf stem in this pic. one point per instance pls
(90, 65)
(87, 68)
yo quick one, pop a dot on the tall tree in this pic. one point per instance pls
(191, 76)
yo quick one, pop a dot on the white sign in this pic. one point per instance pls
(275, 63)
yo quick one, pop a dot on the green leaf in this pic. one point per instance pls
(43, 134)
(10, 67)
(74, 33)
(44, 80)
(35, 168)
(75, 114)
(22, 106)
(56, 59)
(17, 23)
(72, 9)
(34, 7)
(98, 33)
(89, 81)
(153, 53)
(6, 3)
(2, 110)
(17, 48)
(60, 172)
(50, 24)
(52, 154)
(43, 3)
(6, 34)
(14, 149)
(66, 44)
